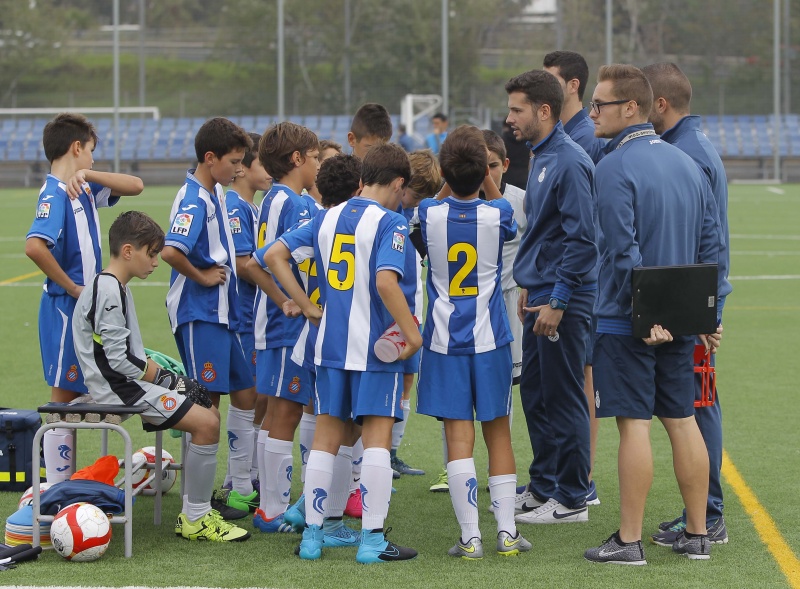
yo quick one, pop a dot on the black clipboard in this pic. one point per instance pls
(682, 299)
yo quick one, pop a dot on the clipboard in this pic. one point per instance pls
(682, 299)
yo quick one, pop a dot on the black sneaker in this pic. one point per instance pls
(664, 526)
(375, 548)
(695, 548)
(614, 551)
(228, 513)
(717, 532)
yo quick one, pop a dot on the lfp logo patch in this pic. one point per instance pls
(43, 212)
(208, 374)
(235, 224)
(398, 241)
(182, 224)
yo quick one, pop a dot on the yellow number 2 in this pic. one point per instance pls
(340, 256)
(457, 289)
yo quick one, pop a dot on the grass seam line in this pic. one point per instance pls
(22, 277)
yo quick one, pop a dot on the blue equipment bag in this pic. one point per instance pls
(17, 429)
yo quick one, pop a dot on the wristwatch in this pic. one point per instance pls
(558, 304)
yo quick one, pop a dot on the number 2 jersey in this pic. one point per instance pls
(464, 238)
(353, 242)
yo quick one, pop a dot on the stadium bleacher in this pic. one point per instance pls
(172, 138)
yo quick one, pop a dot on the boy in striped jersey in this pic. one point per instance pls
(359, 246)
(64, 242)
(465, 370)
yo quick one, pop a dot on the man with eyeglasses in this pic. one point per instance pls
(556, 266)
(655, 209)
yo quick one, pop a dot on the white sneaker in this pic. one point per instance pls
(525, 501)
(553, 512)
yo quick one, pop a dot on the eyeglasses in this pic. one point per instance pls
(595, 106)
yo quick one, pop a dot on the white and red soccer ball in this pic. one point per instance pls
(148, 454)
(80, 532)
(27, 496)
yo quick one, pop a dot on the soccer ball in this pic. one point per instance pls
(81, 532)
(148, 454)
(27, 496)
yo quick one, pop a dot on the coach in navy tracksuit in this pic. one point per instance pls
(655, 209)
(672, 93)
(557, 266)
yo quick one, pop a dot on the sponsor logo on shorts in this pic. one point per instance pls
(398, 241)
(208, 374)
(294, 386)
(43, 212)
(182, 223)
(72, 373)
(168, 402)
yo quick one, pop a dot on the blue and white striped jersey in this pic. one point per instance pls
(412, 278)
(464, 239)
(72, 229)
(242, 216)
(281, 209)
(200, 228)
(352, 242)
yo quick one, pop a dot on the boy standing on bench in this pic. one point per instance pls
(116, 370)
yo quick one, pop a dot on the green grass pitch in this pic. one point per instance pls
(757, 390)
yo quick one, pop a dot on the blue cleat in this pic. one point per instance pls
(311, 544)
(375, 548)
(276, 525)
(295, 516)
(337, 534)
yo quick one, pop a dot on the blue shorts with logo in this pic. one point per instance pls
(352, 393)
(60, 363)
(278, 376)
(212, 354)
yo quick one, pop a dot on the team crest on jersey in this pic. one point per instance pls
(168, 402)
(208, 374)
(253, 358)
(541, 176)
(43, 212)
(236, 225)
(398, 241)
(72, 373)
(182, 224)
(294, 386)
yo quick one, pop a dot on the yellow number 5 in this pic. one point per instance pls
(340, 256)
(457, 289)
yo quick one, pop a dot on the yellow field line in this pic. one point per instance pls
(764, 524)
(18, 278)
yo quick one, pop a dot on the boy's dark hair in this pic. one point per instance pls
(385, 163)
(540, 87)
(338, 178)
(441, 116)
(372, 120)
(220, 136)
(64, 130)
(495, 144)
(251, 153)
(668, 81)
(328, 144)
(278, 144)
(571, 66)
(426, 176)
(137, 229)
(464, 159)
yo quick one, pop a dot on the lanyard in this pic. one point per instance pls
(635, 135)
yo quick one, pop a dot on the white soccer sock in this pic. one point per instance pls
(278, 485)
(262, 467)
(376, 488)
(444, 452)
(503, 492)
(399, 427)
(240, 447)
(254, 463)
(59, 446)
(200, 468)
(464, 495)
(319, 475)
(358, 456)
(308, 423)
(340, 483)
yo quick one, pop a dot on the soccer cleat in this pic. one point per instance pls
(440, 484)
(508, 545)
(395, 474)
(219, 503)
(211, 527)
(400, 467)
(664, 526)
(375, 548)
(353, 507)
(276, 525)
(295, 516)
(614, 551)
(696, 548)
(336, 534)
(591, 496)
(668, 536)
(179, 526)
(311, 544)
(247, 503)
(472, 549)
(553, 512)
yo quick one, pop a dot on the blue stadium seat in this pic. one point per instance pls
(8, 126)
(326, 123)
(343, 122)
(248, 123)
(262, 122)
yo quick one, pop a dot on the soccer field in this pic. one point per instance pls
(761, 473)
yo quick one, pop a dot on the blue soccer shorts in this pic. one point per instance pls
(352, 393)
(212, 355)
(278, 376)
(60, 363)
